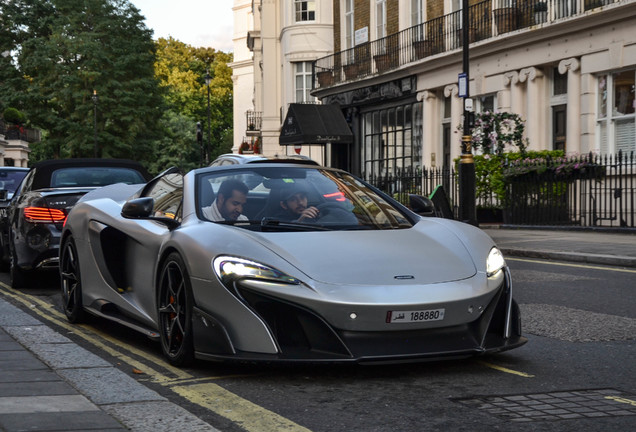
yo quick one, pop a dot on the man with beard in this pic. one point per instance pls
(293, 203)
(229, 202)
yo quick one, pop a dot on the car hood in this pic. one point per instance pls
(424, 254)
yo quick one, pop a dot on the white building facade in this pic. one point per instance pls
(567, 67)
(275, 45)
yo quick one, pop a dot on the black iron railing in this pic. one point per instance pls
(254, 122)
(488, 19)
(17, 132)
(586, 191)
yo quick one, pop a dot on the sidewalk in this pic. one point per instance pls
(49, 383)
(591, 247)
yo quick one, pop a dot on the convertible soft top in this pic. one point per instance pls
(45, 169)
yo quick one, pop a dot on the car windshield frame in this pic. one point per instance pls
(344, 201)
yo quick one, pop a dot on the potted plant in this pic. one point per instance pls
(325, 77)
(350, 70)
(540, 12)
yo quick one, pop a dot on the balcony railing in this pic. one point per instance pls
(13, 132)
(254, 122)
(488, 19)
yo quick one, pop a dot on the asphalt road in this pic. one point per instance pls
(577, 371)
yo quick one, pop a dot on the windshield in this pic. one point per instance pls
(94, 176)
(10, 179)
(294, 199)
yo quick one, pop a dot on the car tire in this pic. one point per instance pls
(174, 309)
(71, 282)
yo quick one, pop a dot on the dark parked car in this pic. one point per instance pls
(37, 212)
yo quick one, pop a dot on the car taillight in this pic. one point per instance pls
(44, 215)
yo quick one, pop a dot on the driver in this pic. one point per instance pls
(293, 203)
(229, 202)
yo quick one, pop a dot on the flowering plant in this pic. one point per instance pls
(560, 167)
(495, 130)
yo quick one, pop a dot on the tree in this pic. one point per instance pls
(180, 70)
(63, 50)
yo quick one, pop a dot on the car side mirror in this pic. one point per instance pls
(139, 208)
(421, 205)
(142, 208)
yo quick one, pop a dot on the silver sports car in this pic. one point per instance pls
(275, 261)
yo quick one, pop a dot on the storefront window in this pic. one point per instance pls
(392, 143)
(616, 126)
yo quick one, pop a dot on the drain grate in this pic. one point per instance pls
(557, 405)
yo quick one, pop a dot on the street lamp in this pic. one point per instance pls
(467, 162)
(208, 78)
(94, 97)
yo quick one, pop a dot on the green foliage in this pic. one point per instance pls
(494, 132)
(489, 171)
(13, 115)
(149, 94)
(65, 49)
(181, 70)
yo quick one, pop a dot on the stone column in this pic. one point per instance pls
(511, 98)
(536, 118)
(573, 124)
(431, 143)
(457, 111)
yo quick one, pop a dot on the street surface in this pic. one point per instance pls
(577, 371)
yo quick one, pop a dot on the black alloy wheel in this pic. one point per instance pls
(175, 311)
(70, 281)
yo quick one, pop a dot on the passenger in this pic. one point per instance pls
(229, 202)
(293, 203)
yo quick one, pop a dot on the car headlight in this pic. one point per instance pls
(495, 262)
(230, 269)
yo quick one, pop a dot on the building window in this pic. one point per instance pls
(302, 82)
(305, 10)
(616, 124)
(380, 19)
(392, 145)
(485, 103)
(349, 31)
(417, 17)
(559, 83)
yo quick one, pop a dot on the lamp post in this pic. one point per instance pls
(208, 78)
(467, 162)
(94, 97)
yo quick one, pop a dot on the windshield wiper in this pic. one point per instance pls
(268, 223)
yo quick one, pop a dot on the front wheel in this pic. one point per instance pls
(174, 308)
(71, 282)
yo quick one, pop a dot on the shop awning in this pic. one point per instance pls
(315, 124)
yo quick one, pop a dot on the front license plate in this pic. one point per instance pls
(397, 317)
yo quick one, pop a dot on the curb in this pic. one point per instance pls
(586, 258)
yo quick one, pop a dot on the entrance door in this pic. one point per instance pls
(559, 126)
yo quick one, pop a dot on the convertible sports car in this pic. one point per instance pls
(216, 266)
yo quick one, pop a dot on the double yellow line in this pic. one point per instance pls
(199, 391)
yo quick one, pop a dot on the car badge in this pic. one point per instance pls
(404, 277)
